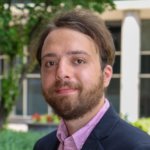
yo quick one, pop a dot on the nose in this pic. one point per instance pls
(63, 71)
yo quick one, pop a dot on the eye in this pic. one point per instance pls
(49, 64)
(79, 61)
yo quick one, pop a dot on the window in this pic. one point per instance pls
(35, 100)
(30, 100)
(145, 97)
(19, 104)
(113, 91)
(145, 69)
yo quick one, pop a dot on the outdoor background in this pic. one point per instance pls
(21, 100)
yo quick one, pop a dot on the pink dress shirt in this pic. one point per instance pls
(77, 140)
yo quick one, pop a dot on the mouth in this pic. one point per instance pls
(65, 91)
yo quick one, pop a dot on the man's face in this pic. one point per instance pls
(72, 80)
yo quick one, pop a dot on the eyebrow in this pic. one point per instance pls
(50, 54)
(73, 52)
(76, 52)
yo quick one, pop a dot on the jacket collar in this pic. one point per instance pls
(52, 142)
(102, 130)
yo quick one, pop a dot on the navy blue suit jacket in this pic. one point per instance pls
(111, 133)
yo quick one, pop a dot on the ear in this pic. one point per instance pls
(107, 74)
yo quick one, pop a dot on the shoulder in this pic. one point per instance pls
(125, 136)
(144, 146)
(129, 137)
(47, 142)
(127, 130)
(114, 133)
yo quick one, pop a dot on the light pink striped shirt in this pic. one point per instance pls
(77, 140)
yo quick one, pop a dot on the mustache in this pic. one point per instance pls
(60, 84)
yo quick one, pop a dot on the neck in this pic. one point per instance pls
(75, 125)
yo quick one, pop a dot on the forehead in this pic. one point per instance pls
(63, 40)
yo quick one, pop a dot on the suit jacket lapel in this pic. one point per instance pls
(54, 146)
(101, 131)
(92, 144)
(53, 142)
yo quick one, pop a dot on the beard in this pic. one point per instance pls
(75, 105)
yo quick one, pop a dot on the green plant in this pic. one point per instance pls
(143, 124)
(11, 140)
(53, 118)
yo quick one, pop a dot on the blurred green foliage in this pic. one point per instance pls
(11, 140)
(143, 124)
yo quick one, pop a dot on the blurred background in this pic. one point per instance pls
(21, 22)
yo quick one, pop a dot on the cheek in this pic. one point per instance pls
(47, 80)
(89, 77)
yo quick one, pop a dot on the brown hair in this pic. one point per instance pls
(88, 23)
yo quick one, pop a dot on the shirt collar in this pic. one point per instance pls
(80, 136)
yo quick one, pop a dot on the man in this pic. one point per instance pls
(76, 54)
